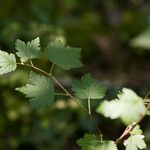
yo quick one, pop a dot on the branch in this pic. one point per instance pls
(130, 127)
(52, 67)
(67, 93)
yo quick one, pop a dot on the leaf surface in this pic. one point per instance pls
(40, 91)
(90, 142)
(142, 40)
(64, 57)
(28, 51)
(88, 88)
(7, 62)
(128, 102)
(136, 140)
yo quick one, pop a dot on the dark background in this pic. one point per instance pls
(115, 39)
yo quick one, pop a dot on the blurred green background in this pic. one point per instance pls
(115, 39)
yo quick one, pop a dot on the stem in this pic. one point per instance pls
(58, 83)
(89, 114)
(52, 67)
(31, 62)
(67, 93)
(130, 127)
(148, 93)
(96, 126)
(89, 106)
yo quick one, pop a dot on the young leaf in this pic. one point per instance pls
(127, 100)
(65, 57)
(90, 142)
(40, 91)
(136, 140)
(7, 62)
(88, 88)
(28, 51)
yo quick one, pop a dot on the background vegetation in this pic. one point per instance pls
(115, 39)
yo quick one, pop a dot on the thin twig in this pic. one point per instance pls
(56, 81)
(60, 85)
(96, 126)
(130, 127)
(52, 67)
(89, 106)
(148, 93)
(67, 93)
(31, 62)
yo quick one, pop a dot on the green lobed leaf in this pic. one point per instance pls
(7, 62)
(90, 142)
(64, 57)
(40, 91)
(127, 102)
(28, 51)
(136, 140)
(88, 88)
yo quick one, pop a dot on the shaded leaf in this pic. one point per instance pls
(90, 142)
(65, 57)
(40, 91)
(88, 88)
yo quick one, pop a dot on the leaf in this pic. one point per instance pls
(119, 108)
(110, 109)
(132, 102)
(88, 88)
(40, 91)
(65, 57)
(142, 40)
(136, 140)
(90, 142)
(7, 62)
(28, 51)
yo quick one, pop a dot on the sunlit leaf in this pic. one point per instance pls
(136, 140)
(7, 62)
(142, 40)
(127, 102)
(28, 51)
